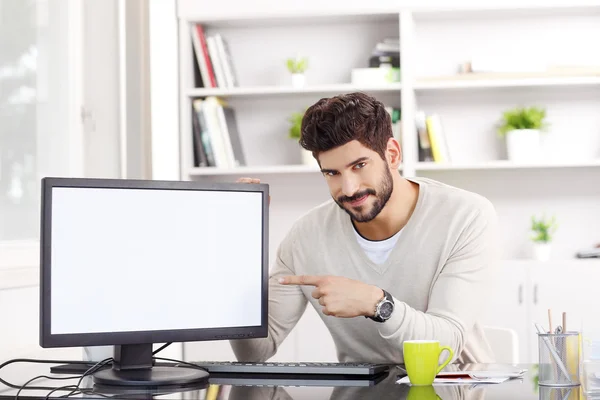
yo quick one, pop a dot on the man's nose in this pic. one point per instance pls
(349, 186)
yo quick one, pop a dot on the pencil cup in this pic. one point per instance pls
(559, 359)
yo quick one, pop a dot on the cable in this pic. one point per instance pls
(161, 348)
(74, 389)
(34, 361)
(90, 371)
(180, 362)
(71, 387)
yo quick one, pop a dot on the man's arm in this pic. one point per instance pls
(286, 306)
(458, 295)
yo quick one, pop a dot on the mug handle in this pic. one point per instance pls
(449, 350)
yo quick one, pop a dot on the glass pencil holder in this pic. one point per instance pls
(558, 359)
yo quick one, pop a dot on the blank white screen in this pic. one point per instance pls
(147, 259)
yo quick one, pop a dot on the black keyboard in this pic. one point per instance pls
(293, 368)
(271, 368)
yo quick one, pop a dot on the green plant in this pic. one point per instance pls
(543, 229)
(522, 118)
(297, 65)
(296, 123)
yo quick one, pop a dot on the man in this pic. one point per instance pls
(388, 259)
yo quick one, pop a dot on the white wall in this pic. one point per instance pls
(164, 93)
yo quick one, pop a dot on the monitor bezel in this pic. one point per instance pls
(47, 339)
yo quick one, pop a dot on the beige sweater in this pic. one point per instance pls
(438, 274)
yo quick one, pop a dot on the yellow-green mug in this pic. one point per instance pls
(421, 359)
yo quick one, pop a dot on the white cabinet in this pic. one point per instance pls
(507, 303)
(569, 287)
(525, 290)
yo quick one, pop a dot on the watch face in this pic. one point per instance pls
(385, 311)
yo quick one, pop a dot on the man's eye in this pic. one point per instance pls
(360, 165)
(330, 173)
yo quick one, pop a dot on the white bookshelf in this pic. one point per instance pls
(433, 44)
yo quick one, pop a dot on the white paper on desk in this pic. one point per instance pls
(467, 380)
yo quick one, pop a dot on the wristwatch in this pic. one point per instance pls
(384, 308)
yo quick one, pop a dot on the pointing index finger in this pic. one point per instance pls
(300, 280)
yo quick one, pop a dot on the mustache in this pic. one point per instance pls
(356, 196)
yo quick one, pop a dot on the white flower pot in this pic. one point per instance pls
(308, 159)
(541, 251)
(298, 80)
(523, 145)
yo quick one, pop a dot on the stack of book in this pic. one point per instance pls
(433, 145)
(216, 137)
(386, 54)
(384, 65)
(213, 59)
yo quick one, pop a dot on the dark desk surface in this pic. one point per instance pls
(236, 388)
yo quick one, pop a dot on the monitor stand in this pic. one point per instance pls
(133, 367)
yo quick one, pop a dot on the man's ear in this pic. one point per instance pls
(394, 153)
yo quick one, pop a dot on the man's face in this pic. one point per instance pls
(359, 180)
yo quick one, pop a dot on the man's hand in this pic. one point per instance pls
(248, 180)
(339, 296)
(251, 180)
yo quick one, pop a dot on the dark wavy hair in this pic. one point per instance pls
(334, 121)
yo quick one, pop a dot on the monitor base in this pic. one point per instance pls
(152, 377)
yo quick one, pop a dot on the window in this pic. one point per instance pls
(40, 129)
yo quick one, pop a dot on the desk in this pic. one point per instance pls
(235, 388)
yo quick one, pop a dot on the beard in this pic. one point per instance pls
(362, 213)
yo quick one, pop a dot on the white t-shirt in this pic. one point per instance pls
(379, 250)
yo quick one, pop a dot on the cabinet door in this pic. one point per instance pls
(564, 286)
(506, 304)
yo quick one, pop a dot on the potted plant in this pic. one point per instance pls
(522, 126)
(297, 67)
(294, 133)
(543, 230)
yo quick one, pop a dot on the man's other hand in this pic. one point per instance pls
(339, 296)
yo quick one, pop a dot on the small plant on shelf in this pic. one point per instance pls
(297, 67)
(523, 118)
(295, 121)
(294, 132)
(521, 126)
(543, 230)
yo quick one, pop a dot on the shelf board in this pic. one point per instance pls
(509, 81)
(495, 11)
(503, 165)
(373, 15)
(289, 90)
(258, 170)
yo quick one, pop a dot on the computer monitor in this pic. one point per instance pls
(135, 262)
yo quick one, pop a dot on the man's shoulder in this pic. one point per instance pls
(443, 196)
